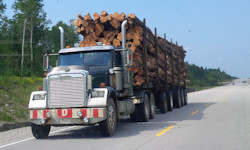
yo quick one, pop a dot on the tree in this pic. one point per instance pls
(2, 9)
(32, 11)
(70, 36)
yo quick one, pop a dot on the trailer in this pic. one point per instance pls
(95, 85)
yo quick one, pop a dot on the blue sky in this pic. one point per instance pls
(215, 33)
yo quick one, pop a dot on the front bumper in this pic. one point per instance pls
(68, 116)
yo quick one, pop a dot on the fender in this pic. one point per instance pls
(100, 101)
(111, 92)
(139, 96)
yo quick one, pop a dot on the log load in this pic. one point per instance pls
(165, 60)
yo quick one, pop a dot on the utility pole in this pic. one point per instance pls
(24, 27)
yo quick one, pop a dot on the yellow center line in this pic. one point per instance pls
(159, 134)
(207, 104)
(194, 113)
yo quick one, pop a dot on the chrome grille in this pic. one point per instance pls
(66, 90)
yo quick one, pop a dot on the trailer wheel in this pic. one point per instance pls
(170, 101)
(163, 102)
(144, 109)
(108, 126)
(152, 106)
(39, 131)
(185, 97)
(177, 98)
(182, 97)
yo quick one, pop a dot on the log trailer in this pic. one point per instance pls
(94, 85)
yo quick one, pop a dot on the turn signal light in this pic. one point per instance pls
(45, 74)
(102, 85)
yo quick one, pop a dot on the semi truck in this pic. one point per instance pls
(94, 85)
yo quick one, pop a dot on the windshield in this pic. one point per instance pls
(85, 58)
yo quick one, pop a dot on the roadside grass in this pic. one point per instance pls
(203, 86)
(14, 97)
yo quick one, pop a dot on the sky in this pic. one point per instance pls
(215, 33)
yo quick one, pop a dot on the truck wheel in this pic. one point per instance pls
(170, 101)
(144, 109)
(108, 126)
(152, 106)
(134, 116)
(163, 102)
(182, 97)
(185, 97)
(39, 131)
(177, 99)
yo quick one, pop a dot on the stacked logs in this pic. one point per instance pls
(165, 60)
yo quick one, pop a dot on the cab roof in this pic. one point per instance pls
(90, 48)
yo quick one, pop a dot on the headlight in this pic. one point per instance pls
(95, 94)
(39, 97)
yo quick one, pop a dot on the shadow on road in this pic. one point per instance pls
(126, 128)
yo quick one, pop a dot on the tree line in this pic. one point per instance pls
(203, 77)
(26, 36)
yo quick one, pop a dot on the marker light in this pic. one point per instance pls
(40, 88)
(102, 85)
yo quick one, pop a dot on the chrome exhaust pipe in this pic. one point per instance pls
(124, 34)
(61, 37)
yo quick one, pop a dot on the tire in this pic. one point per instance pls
(152, 106)
(177, 99)
(170, 100)
(143, 109)
(39, 131)
(185, 97)
(163, 105)
(182, 97)
(134, 116)
(108, 126)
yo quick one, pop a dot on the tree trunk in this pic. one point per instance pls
(24, 27)
(31, 44)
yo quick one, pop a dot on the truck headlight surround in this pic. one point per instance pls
(39, 96)
(96, 94)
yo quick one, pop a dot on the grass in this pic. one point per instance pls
(204, 86)
(14, 97)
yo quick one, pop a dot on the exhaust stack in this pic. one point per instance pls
(124, 34)
(61, 37)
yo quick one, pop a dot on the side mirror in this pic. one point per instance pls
(46, 62)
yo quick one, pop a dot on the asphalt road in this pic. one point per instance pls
(214, 119)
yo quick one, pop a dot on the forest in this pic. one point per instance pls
(26, 36)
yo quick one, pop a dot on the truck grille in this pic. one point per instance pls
(66, 90)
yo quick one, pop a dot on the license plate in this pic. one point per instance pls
(65, 120)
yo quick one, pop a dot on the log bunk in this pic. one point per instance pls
(164, 60)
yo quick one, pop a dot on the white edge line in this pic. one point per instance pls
(34, 138)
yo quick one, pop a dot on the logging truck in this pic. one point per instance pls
(96, 85)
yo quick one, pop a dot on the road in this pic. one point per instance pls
(214, 119)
